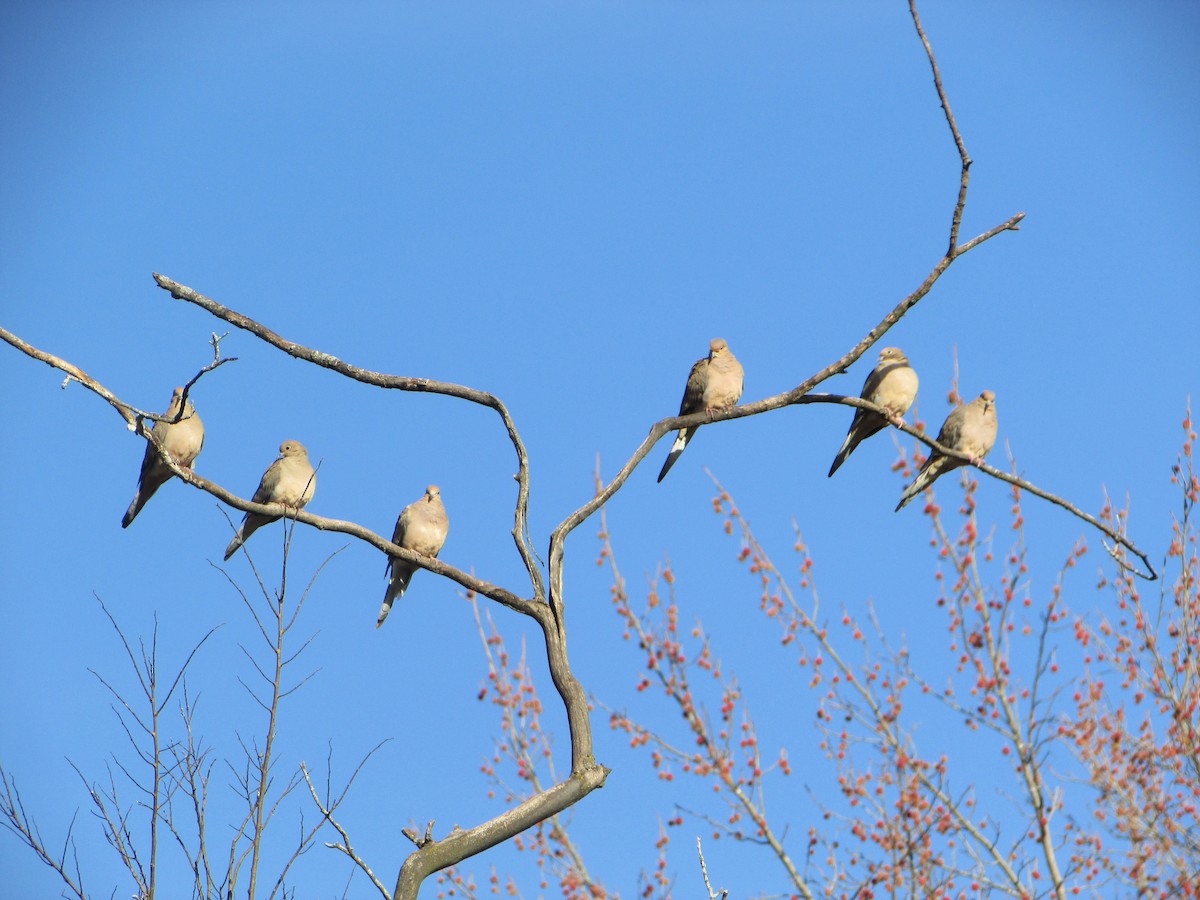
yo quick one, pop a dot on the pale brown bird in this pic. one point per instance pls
(422, 527)
(971, 429)
(290, 481)
(183, 440)
(892, 384)
(715, 383)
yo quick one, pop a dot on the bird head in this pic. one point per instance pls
(292, 448)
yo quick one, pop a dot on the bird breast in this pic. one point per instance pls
(897, 390)
(184, 439)
(423, 536)
(297, 482)
(978, 435)
(724, 387)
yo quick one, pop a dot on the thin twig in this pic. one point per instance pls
(344, 846)
(704, 870)
(956, 218)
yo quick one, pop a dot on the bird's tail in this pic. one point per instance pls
(681, 442)
(396, 588)
(149, 482)
(928, 474)
(842, 455)
(233, 545)
(388, 600)
(250, 524)
(244, 531)
(134, 508)
(906, 498)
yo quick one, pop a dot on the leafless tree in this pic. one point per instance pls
(161, 788)
(542, 599)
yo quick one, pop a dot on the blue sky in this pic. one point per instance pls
(560, 205)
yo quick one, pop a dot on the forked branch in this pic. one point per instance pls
(546, 605)
(520, 532)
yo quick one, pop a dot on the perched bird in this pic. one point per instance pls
(183, 440)
(290, 480)
(971, 429)
(715, 383)
(422, 528)
(892, 384)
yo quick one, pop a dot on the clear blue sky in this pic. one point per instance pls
(561, 204)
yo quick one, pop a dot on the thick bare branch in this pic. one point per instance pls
(547, 605)
(572, 693)
(586, 774)
(778, 401)
(661, 428)
(463, 844)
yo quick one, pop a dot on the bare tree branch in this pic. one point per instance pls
(131, 415)
(778, 401)
(1000, 475)
(546, 604)
(712, 895)
(461, 844)
(956, 219)
(520, 530)
(586, 774)
(329, 806)
(15, 819)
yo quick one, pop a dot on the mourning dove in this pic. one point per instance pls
(290, 480)
(183, 440)
(422, 528)
(892, 384)
(969, 428)
(715, 383)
